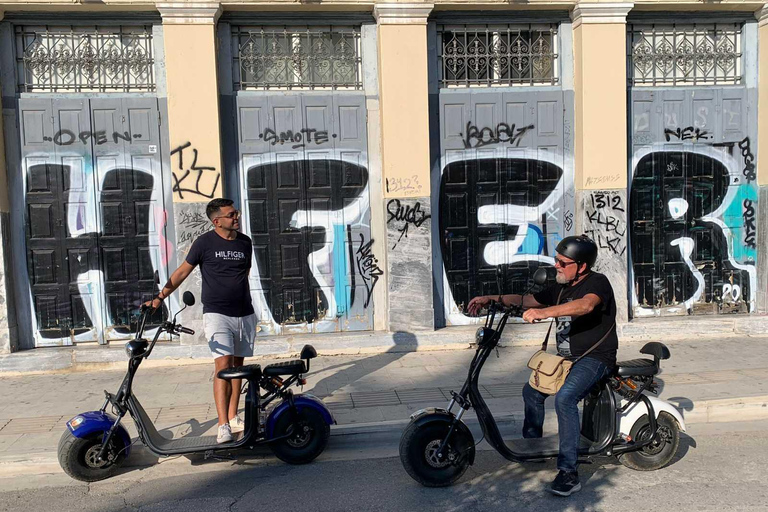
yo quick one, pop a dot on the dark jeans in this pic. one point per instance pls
(583, 375)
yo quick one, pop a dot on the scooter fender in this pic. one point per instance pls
(433, 415)
(638, 410)
(86, 424)
(303, 400)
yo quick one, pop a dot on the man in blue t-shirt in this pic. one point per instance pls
(224, 256)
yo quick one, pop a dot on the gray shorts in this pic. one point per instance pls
(230, 335)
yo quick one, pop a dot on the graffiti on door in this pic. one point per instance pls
(693, 228)
(500, 219)
(92, 259)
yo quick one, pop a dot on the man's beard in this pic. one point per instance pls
(561, 279)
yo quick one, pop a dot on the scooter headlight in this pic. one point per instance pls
(136, 347)
(75, 422)
(482, 335)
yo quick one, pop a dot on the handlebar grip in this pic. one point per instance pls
(143, 308)
(186, 330)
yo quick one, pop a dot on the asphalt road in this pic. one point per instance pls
(720, 466)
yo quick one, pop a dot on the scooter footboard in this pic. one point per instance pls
(88, 423)
(638, 410)
(301, 401)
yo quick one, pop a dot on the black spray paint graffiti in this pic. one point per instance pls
(408, 215)
(478, 137)
(749, 160)
(367, 267)
(689, 133)
(568, 221)
(190, 176)
(674, 247)
(121, 253)
(750, 229)
(68, 137)
(298, 139)
(468, 185)
(608, 228)
(284, 253)
(193, 224)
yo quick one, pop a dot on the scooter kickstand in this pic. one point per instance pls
(210, 454)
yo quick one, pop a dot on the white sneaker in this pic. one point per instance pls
(225, 434)
(236, 424)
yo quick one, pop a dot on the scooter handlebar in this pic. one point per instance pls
(185, 330)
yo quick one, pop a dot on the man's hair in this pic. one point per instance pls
(215, 205)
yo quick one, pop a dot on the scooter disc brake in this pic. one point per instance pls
(91, 457)
(430, 453)
(663, 437)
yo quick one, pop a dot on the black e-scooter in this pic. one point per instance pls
(437, 446)
(297, 427)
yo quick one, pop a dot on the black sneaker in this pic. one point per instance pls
(566, 483)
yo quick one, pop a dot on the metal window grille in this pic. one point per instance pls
(491, 55)
(306, 57)
(685, 54)
(92, 59)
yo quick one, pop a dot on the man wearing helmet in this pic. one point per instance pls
(585, 314)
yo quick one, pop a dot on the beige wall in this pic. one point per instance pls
(762, 102)
(404, 109)
(193, 110)
(600, 80)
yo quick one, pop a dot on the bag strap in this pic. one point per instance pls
(546, 338)
(593, 347)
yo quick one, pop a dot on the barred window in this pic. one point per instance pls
(503, 55)
(685, 54)
(267, 58)
(92, 59)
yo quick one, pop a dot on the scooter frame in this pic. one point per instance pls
(124, 401)
(606, 439)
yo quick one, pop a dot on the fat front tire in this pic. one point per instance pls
(418, 453)
(307, 437)
(77, 457)
(659, 453)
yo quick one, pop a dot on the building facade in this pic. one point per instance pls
(391, 160)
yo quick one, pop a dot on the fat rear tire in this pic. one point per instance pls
(418, 442)
(77, 456)
(308, 437)
(658, 454)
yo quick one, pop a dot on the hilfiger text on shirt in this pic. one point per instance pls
(230, 255)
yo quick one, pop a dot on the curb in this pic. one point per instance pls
(702, 411)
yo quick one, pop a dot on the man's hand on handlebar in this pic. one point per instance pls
(534, 315)
(153, 304)
(478, 303)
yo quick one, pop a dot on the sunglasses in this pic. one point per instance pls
(562, 264)
(231, 215)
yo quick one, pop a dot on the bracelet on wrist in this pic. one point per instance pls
(158, 297)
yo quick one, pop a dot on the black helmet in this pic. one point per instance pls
(580, 249)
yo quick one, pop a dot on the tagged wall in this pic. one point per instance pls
(693, 202)
(95, 221)
(506, 195)
(304, 188)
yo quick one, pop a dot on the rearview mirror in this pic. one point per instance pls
(188, 298)
(540, 276)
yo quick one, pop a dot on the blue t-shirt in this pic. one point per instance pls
(225, 265)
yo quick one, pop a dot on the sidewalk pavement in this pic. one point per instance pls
(709, 379)
(95, 357)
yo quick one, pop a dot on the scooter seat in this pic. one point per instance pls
(637, 367)
(293, 367)
(249, 371)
